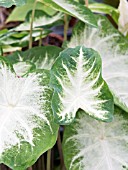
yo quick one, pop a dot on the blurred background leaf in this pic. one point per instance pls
(19, 13)
(9, 3)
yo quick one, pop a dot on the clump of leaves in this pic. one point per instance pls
(112, 47)
(45, 87)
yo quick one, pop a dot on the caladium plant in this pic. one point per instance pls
(27, 128)
(88, 74)
(73, 87)
(112, 47)
(77, 82)
(93, 145)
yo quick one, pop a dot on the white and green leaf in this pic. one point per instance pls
(113, 48)
(77, 82)
(27, 128)
(21, 39)
(72, 8)
(40, 21)
(8, 48)
(123, 17)
(9, 3)
(93, 145)
(42, 57)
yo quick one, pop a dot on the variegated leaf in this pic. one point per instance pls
(77, 82)
(41, 20)
(113, 48)
(72, 8)
(27, 128)
(9, 3)
(93, 145)
(123, 17)
(42, 57)
(20, 39)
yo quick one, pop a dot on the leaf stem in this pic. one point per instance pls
(62, 167)
(31, 24)
(43, 163)
(86, 3)
(49, 159)
(40, 40)
(40, 163)
(65, 26)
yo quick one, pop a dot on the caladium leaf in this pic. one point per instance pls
(9, 3)
(42, 57)
(27, 128)
(21, 39)
(113, 48)
(93, 145)
(123, 17)
(72, 8)
(77, 82)
(42, 19)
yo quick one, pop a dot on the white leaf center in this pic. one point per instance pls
(21, 104)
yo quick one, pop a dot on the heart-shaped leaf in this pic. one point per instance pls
(77, 82)
(113, 48)
(27, 128)
(72, 8)
(93, 145)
